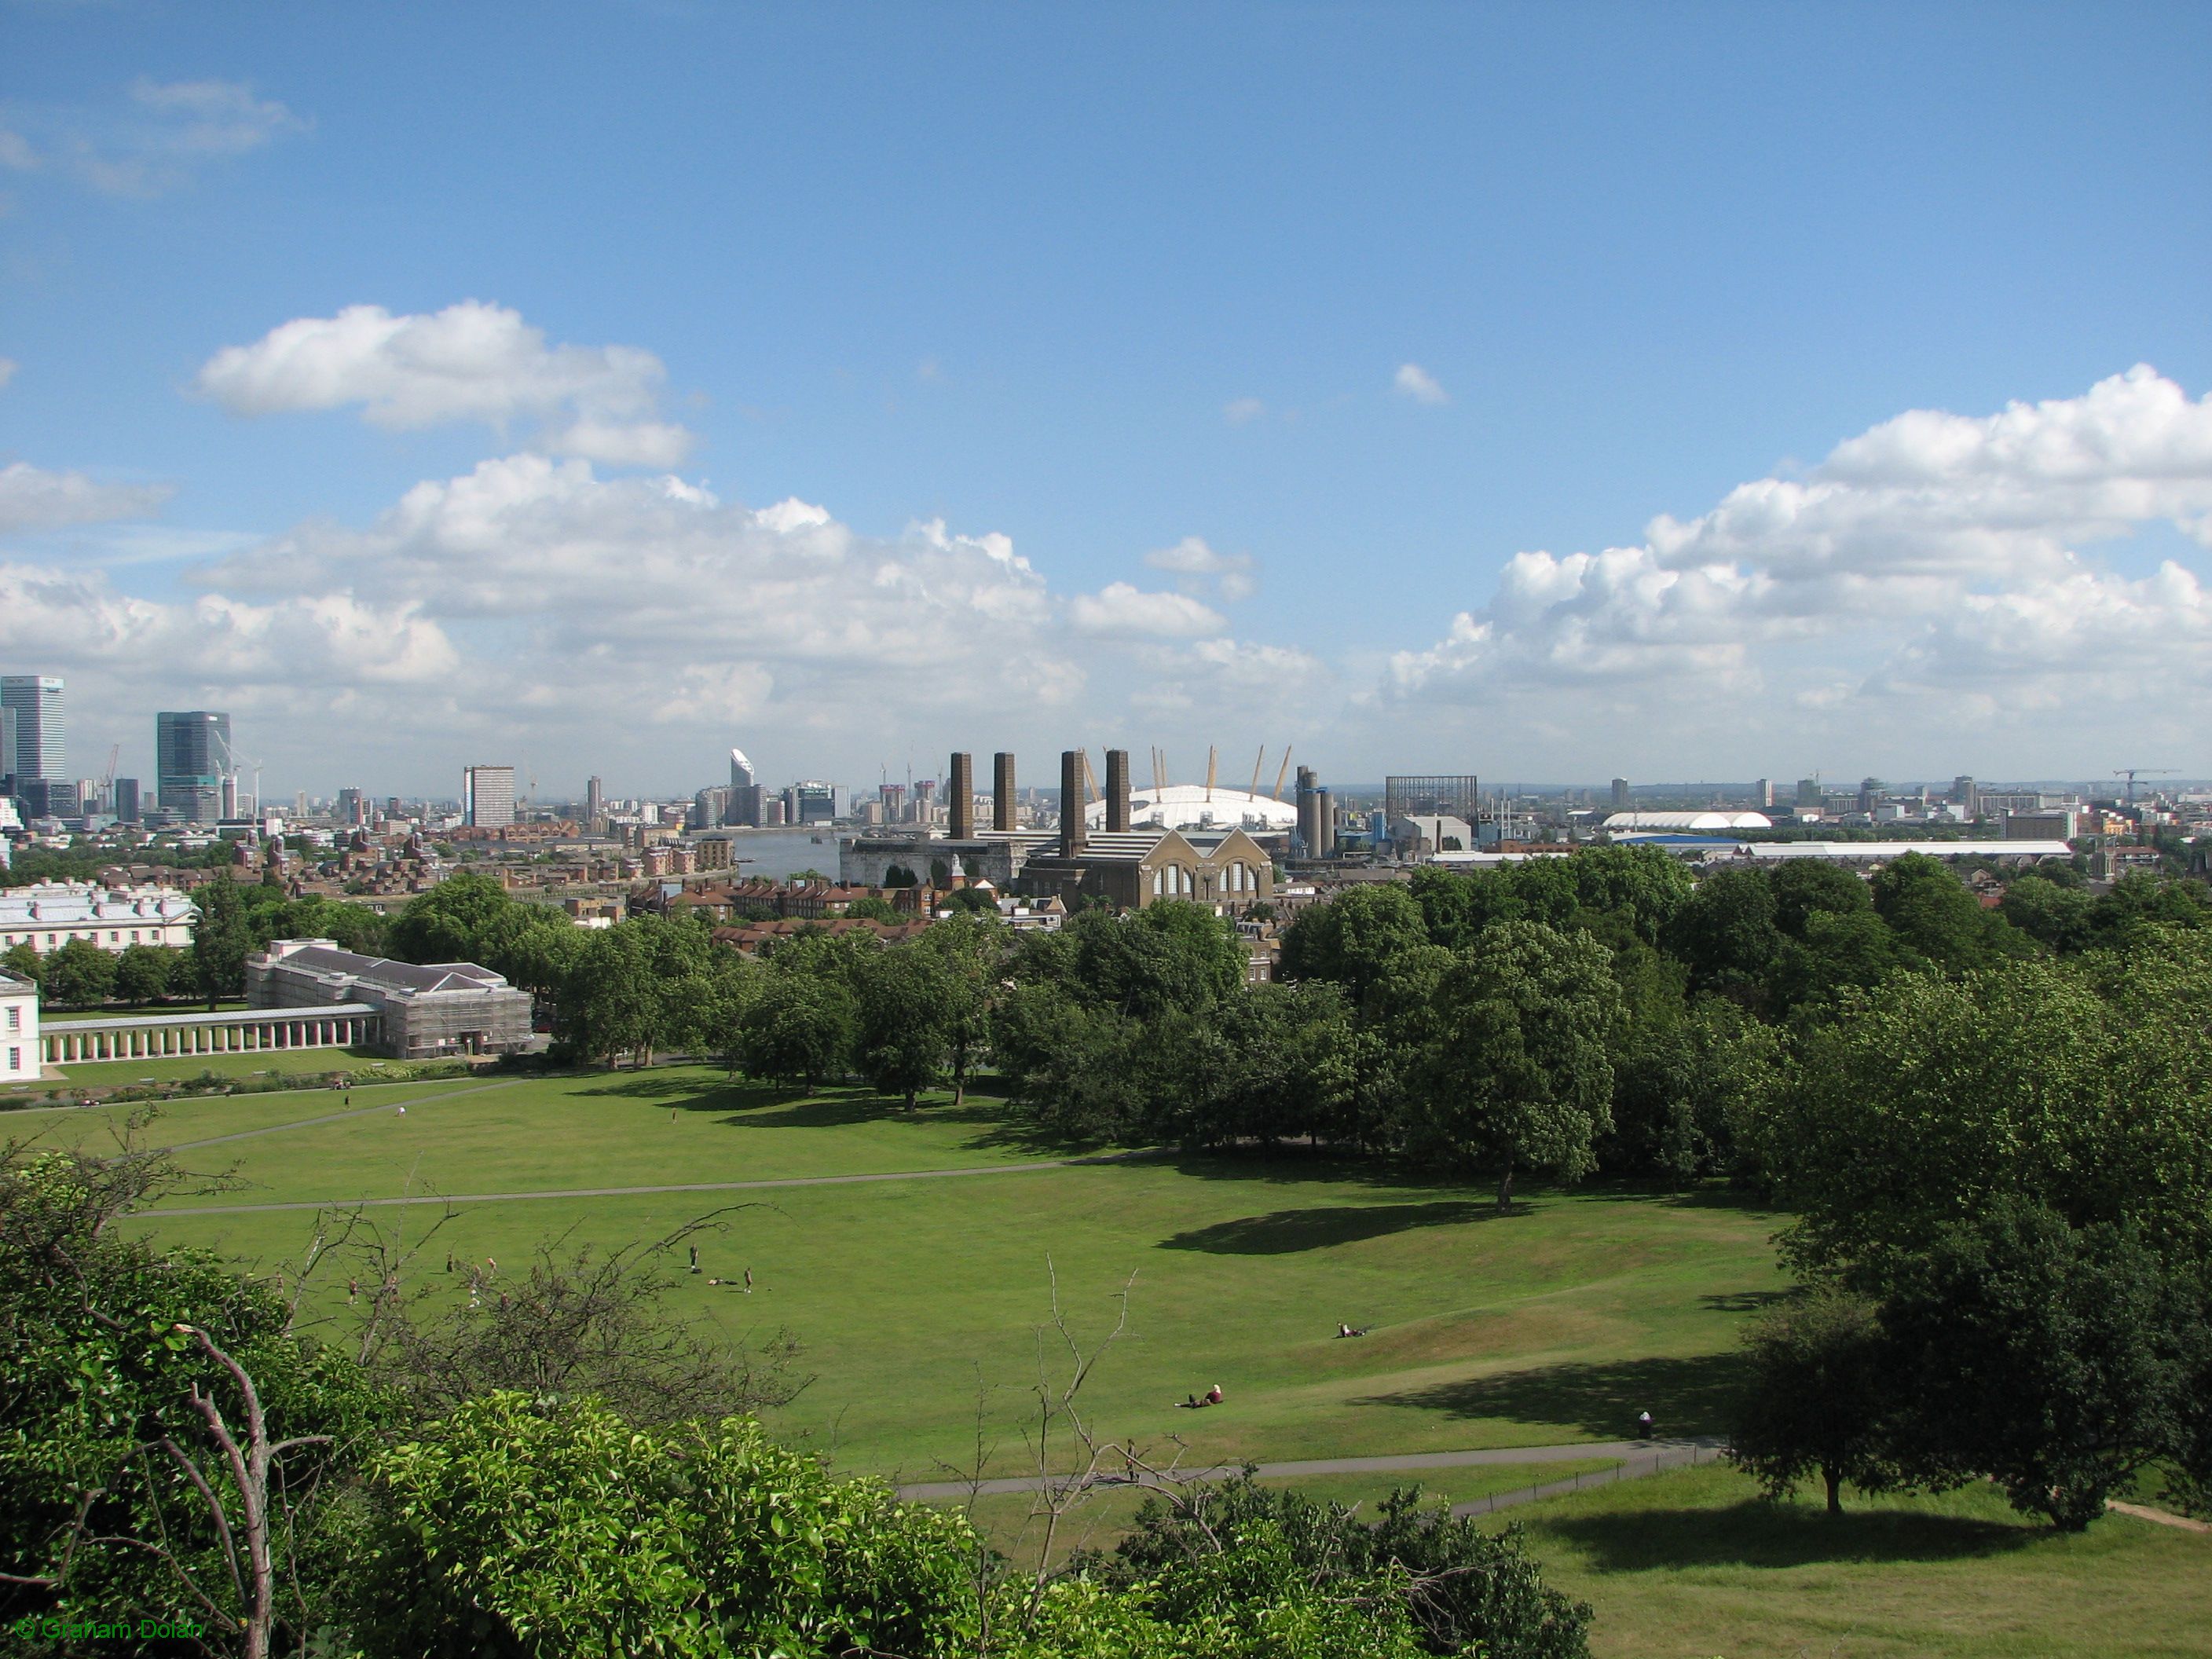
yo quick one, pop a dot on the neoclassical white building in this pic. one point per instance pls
(47, 914)
(19, 1029)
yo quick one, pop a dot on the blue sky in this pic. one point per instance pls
(1358, 303)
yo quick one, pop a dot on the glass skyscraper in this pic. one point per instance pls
(192, 762)
(35, 701)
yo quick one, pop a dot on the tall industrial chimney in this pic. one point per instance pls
(1071, 802)
(1117, 791)
(960, 797)
(1324, 823)
(1002, 791)
(1309, 814)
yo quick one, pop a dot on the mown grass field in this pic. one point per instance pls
(1692, 1563)
(918, 1302)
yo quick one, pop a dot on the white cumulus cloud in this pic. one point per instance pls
(1413, 381)
(33, 499)
(1231, 573)
(1123, 611)
(1958, 558)
(471, 362)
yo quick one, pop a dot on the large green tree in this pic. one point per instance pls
(1518, 1073)
(147, 972)
(1820, 1398)
(220, 939)
(2057, 1361)
(2086, 1088)
(1726, 935)
(800, 1024)
(80, 974)
(1351, 940)
(1935, 915)
(904, 1007)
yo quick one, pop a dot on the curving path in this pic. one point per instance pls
(1639, 1457)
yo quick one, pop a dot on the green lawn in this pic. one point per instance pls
(167, 1068)
(121, 1010)
(179, 1122)
(1690, 1564)
(1014, 1526)
(919, 1303)
(1554, 1325)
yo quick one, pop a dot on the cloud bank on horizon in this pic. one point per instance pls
(576, 603)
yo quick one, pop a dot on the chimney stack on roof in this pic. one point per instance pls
(960, 797)
(1002, 791)
(1117, 791)
(1071, 802)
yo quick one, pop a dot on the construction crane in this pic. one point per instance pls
(2131, 772)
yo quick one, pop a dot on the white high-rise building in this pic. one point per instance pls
(41, 733)
(741, 770)
(488, 797)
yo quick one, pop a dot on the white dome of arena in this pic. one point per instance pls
(1193, 806)
(1689, 821)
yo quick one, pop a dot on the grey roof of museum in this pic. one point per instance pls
(405, 976)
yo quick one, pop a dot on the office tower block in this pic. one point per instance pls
(41, 747)
(192, 764)
(488, 797)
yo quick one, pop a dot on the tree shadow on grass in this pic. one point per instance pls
(1758, 1534)
(1286, 1232)
(1745, 1301)
(686, 1092)
(1696, 1395)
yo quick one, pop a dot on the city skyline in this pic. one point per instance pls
(1504, 419)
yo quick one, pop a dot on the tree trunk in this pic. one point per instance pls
(909, 1100)
(1835, 1480)
(1506, 1189)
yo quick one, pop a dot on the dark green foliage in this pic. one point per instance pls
(220, 939)
(1806, 888)
(80, 974)
(2055, 917)
(2057, 1361)
(2087, 1089)
(148, 973)
(801, 1023)
(97, 1368)
(1352, 940)
(469, 917)
(1517, 1073)
(1727, 935)
(1822, 1398)
(904, 1011)
(516, 1530)
(1463, 1589)
(1936, 916)
(1170, 956)
(25, 963)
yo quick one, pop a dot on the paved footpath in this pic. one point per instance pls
(1639, 1457)
(647, 1192)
